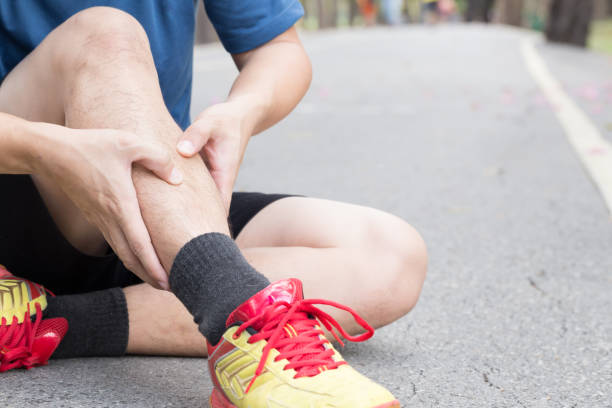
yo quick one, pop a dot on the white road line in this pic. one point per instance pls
(594, 151)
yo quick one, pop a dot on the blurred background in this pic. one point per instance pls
(494, 143)
(578, 22)
(479, 122)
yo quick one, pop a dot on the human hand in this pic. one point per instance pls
(220, 136)
(94, 168)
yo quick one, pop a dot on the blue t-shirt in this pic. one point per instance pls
(241, 24)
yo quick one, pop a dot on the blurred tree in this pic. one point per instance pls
(328, 13)
(479, 10)
(461, 6)
(353, 11)
(510, 12)
(569, 21)
(536, 12)
(602, 9)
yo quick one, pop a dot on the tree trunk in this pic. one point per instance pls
(320, 13)
(510, 12)
(328, 13)
(602, 9)
(353, 11)
(479, 10)
(569, 21)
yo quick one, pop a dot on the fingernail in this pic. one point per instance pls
(185, 147)
(176, 177)
(163, 285)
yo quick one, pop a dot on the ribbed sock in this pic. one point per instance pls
(212, 278)
(98, 323)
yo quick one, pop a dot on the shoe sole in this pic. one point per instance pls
(218, 400)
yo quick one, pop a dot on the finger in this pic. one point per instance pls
(157, 158)
(141, 246)
(194, 138)
(135, 266)
(116, 240)
(139, 241)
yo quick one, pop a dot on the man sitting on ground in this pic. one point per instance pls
(106, 184)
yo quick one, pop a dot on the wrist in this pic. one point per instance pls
(41, 145)
(252, 111)
(17, 144)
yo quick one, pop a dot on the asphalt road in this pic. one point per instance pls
(445, 127)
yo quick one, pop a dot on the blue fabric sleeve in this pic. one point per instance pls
(246, 24)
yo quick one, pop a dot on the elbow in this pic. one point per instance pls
(307, 71)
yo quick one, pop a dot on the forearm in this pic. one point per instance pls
(16, 145)
(272, 80)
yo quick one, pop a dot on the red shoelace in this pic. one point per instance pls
(16, 341)
(291, 329)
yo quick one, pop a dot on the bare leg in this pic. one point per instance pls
(103, 76)
(363, 258)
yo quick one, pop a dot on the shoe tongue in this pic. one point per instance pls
(287, 290)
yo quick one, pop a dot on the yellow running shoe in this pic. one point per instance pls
(275, 355)
(18, 296)
(26, 339)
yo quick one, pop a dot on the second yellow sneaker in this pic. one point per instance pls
(26, 339)
(274, 354)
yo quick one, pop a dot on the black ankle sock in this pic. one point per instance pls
(98, 323)
(212, 278)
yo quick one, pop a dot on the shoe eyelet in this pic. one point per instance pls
(234, 336)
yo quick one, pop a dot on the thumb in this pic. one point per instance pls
(156, 158)
(194, 138)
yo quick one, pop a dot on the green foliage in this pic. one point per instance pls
(461, 6)
(601, 36)
(535, 21)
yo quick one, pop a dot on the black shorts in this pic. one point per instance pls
(31, 246)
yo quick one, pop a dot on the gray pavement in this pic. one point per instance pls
(444, 127)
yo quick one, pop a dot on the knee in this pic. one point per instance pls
(410, 253)
(108, 27)
(402, 254)
(104, 32)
